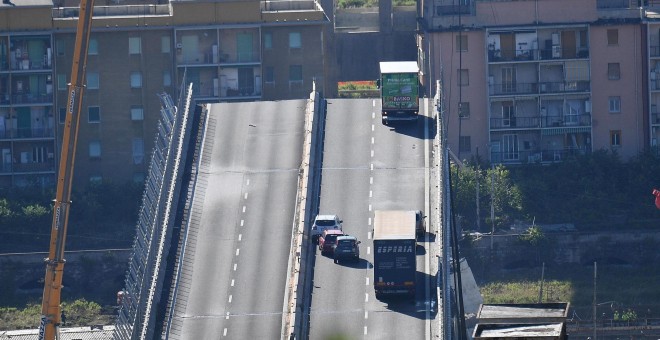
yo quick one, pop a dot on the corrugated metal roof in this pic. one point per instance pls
(545, 331)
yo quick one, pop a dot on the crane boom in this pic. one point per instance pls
(50, 305)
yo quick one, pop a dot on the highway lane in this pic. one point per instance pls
(366, 166)
(238, 248)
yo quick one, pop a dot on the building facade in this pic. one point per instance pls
(541, 81)
(228, 50)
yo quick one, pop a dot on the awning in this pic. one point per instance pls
(565, 130)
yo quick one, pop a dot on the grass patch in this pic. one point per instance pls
(624, 287)
(79, 313)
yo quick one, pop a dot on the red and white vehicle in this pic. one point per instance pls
(328, 240)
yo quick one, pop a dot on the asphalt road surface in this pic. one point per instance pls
(368, 166)
(239, 240)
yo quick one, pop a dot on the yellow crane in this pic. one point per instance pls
(50, 305)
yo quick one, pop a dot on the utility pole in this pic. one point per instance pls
(594, 317)
(478, 175)
(492, 206)
(542, 278)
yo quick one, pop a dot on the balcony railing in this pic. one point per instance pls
(27, 133)
(537, 155)
(514, 88)
(509, 88)
(655, 118)
(654, 51)
(33, 167)
(583, 120)
(32, 98)
(222, 58)
(566, 86)
(525, 54)
(27, 64)
(114, 11)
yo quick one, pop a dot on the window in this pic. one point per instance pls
(613, 71)
(137, 113)
(136, 80)
(613, 37)
(92, 80)
(269, 75)
(295, 73)
(93, 114)
(61, 116)
(615, 138)
(165, 44)
(134, 45)
(138, 150)
(615, 104)
(95, 149)
(60, 46)
(93, 47)
(268, 41)
(461, 43)
(294, 40)
(167, 78)
(463, 77)
(464, 144)
(464, 110)
(61, 82)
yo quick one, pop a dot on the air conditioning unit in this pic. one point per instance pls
(587, 106)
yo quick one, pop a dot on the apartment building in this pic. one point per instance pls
(228, 50)
(540, 81)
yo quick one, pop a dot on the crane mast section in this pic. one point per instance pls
(50, 308)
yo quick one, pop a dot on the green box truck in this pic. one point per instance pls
(399, 91)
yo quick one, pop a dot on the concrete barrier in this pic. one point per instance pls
(294, 297)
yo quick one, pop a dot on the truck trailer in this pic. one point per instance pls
(394, 252)
(399, 91)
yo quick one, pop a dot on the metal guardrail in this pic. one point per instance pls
(154, 226)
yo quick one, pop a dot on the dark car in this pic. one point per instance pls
(328, 240)
(347, 249)
(420, 226)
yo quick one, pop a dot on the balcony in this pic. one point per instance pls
(532, 54)
(543, 155)
(509, 88)
(516, 88)
(655, 118)
(25, 133)
(30, 98)
(565, 87)
(47, 166)
(654, 51)
(580, 121)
